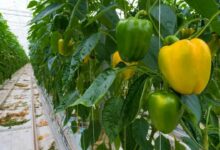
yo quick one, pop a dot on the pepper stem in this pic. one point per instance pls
(140, 13)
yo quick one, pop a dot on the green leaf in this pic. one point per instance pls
(117, 143)
(84, 49)
(123, 5)
(51, 62)
(162, 143)
(127, 139)
(206, 9)
(212, 90)
(111, 117)
(168, 19)
(74, 126)
(107, 16)
(179, 146)
(139, 131)
(192, 105)
(90, 135)
(68, 114)
(190, 143)
(97, 89)
(132, 102)
(47, 11)
(142, 4)
(151, 59)
(79, 11)
(146, 91)
(102, 147)
(83, 112)
(67, 100)
(32, 4)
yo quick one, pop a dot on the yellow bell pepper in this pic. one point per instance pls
(186, 65)
(128, 73)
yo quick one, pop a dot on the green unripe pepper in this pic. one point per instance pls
(165, 110)
(133, 38)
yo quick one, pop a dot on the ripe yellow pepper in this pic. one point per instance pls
(128, 73)
(186, 65)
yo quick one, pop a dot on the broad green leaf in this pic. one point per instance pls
(97, 89)
(192, 105)
(67, 100)
(47, 11)
(151, 58)
(139, 131)
(168, 19)
(162, 143)
(79, 11)
(111, 117)
(105, 48)
(206, 9)
(132, 102)
(84, 49)
(108, 18)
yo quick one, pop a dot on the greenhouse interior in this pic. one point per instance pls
(109, 75)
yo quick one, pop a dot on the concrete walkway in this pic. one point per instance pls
(23, 125)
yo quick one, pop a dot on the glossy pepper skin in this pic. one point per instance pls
(165, 110)
(61, 46)
(186, 65)
(133, 38)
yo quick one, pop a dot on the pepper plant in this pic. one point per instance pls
(98, 59)
(12, 55)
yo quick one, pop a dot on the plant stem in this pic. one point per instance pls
(205, 131)
(106, 33)
(207, 117)
(197, 34)
(187, 23)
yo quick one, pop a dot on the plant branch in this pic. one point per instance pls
(197, 34)
(186, 24)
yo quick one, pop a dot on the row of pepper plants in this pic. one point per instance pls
(12, 55)
(130, 72)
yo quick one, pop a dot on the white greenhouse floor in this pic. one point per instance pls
(23, 124)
